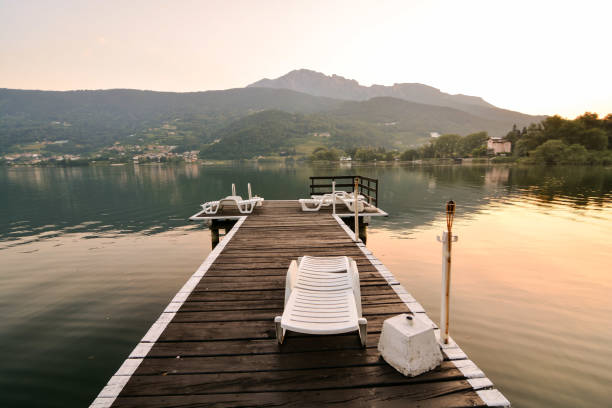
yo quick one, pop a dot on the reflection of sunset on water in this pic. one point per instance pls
(530, 282)
(525, 274)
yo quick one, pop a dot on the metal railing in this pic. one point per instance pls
(368, 187)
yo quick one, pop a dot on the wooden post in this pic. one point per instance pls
(355, 203)
(334, 197)
(363, 230)
(447, 244)
(249, 188)
(214, 233)
(233, 189)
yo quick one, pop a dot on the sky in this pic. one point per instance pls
(537, 57)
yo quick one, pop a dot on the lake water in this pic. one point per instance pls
(90, 256)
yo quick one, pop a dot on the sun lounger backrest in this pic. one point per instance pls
(324, 274)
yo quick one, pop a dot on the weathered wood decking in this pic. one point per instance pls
(215, 345)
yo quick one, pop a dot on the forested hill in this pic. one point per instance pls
(214, 121)
(97, 118)
(382, 122)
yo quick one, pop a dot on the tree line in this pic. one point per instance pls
(555, 140)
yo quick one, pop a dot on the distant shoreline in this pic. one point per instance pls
(505, 161)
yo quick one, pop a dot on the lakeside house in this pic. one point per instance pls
(497, 145)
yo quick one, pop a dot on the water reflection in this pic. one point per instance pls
(91, 255)
(44, 202)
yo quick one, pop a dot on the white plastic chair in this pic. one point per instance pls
(322, 296)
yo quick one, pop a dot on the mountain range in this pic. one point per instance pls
(338, 87)
(263, 118)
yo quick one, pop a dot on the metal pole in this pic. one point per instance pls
(334, 197)
(447, 244)
(355, 203)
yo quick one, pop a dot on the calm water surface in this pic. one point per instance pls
(89, 257)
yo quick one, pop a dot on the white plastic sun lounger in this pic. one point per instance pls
(244, 206)
(350, 204)
(317, 201)
(340, 194)
(322, 296)
(323, 200)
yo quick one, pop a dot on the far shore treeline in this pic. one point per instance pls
(127, 126)
(555, 140)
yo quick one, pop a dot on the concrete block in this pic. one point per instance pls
(409, 345)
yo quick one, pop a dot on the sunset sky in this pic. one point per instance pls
(538, 57)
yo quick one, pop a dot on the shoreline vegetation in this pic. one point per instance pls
(586, 140)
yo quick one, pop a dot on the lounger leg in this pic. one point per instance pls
(280, 332)
(363, 331)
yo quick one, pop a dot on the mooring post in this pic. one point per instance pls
(249, 188)
(334, 197)
(233, 189)
(355, 203)
(447, 244)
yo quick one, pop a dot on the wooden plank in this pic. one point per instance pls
(261, 362)
(192, 314)
(203, 302)
(297, 344)
(278, 273)
(231, 330)
(258, 268)
(275, 381)
(433, 395)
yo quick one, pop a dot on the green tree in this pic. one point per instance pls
(575, 154)
(409, 155)
(513, 136)
(369, 154)
(325, 154)
(480, 151)
(594, 139)
(471, 143)
(447, 146)
(531, 138)
(549, 152)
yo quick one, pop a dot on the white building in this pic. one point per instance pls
(499, 146)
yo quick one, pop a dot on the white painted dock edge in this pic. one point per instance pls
(476, 377)
(109, 393)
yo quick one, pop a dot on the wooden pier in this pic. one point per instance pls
(215, 346)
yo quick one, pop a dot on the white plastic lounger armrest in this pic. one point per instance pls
(309, 204)
(291, 279)
(210, 207)
(247, 206)
(356, 286)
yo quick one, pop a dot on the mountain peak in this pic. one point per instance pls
(339, 87)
